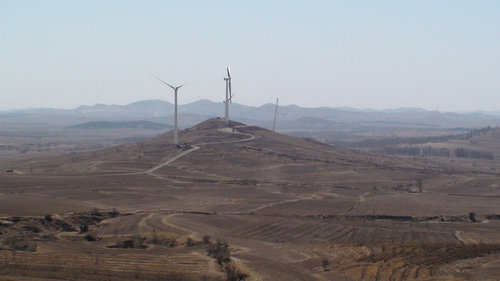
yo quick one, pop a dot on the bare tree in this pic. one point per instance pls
(324, 263)
(420, 185)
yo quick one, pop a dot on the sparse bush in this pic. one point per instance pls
(48, 218)
(163, 239)
(219, 251)
(114, 212)
(95, 212)
(190, 242)
(90, 237)
(135, 242)
(206, 239)
(66, 226)
(420, 185)
(473, 217)
(169, 242)
(84, 228)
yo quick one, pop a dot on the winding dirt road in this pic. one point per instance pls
(193, 148)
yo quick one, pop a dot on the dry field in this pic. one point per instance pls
(246, 204)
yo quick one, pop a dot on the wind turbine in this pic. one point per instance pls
(175, 106)
(275, 115)
(229, 95)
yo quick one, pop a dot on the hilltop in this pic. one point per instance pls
(40, 132)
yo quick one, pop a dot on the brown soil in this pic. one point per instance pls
(282, 204)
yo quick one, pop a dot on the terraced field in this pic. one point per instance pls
(118, 266)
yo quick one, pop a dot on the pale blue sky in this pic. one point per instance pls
(377, 54)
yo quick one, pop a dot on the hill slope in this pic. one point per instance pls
(284, 205)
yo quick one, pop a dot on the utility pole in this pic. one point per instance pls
(275, 115)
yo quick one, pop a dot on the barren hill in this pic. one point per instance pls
(284, 205)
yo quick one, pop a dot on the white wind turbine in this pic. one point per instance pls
(175, 106)
(229, 95)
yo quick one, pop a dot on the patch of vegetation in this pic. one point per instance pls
(219, 251)
(190, 242)
(135, 242)
(95, 212)
(84, 228)
(90, 237)
(114, 212)
(206, 239)
(163, 239)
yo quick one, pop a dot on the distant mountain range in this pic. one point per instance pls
(290, 118)
(96, 125)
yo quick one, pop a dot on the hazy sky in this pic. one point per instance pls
(377, 54)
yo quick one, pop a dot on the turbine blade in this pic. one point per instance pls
(163, 81)
(228, 73)
(230, 92)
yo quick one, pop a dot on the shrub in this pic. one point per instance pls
(206, 239)
(135, 242)
(95, 212)
(219, 251)
(420, 185)
(168, 242)
(114, 212)
(190, 242)
(90, 237)
(162, 239)
(84, 228)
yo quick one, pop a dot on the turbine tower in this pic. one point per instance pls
(229, 95)
(275, 115)
(175, 106)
